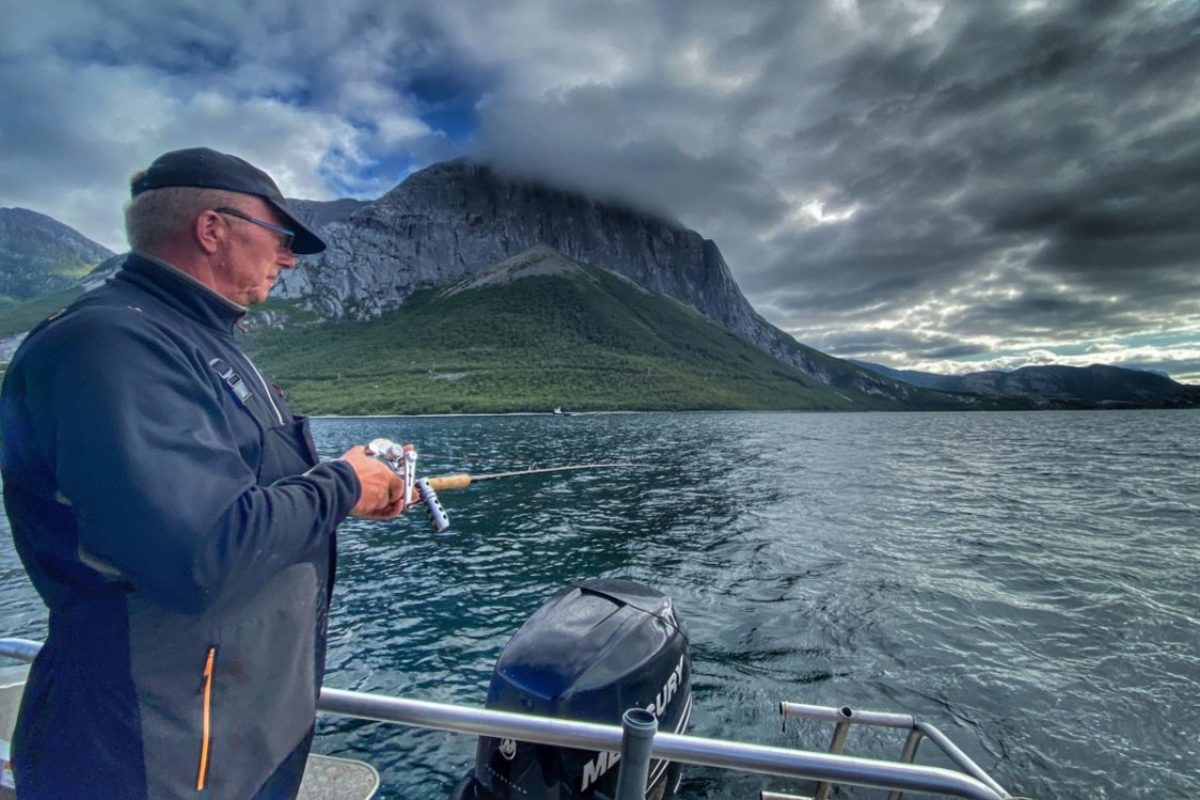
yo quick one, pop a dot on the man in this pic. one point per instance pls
(171, 511)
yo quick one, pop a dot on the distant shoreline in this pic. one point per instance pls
(747, 411)
(496, 414)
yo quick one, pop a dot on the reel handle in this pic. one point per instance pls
(437, 514)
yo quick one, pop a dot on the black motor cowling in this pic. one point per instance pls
(590, 653)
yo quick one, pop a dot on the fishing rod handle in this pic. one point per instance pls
(442, 482)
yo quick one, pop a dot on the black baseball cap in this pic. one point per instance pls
(207, 169)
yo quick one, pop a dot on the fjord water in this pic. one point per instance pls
(1025, 581)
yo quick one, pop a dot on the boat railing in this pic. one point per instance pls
(845, 716)
(826, 768)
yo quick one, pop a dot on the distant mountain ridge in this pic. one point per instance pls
(40, 255)
(1059, 386)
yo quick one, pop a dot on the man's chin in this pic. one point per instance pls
(261, 295)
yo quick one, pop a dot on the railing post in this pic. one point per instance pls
(907, 755)
(836, 746)
(638, 728)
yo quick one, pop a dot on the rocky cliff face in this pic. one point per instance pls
(456, 219)
(39, 255)
(319, 213)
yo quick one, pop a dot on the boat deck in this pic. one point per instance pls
(329, 778)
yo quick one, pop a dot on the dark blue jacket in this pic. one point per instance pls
(171, 512)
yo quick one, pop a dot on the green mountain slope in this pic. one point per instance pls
(40, 256)
(536, 332)
(20, 317)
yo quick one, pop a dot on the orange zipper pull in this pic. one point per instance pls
(202, 775)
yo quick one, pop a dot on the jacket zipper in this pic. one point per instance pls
(202, 774)
(266, 388)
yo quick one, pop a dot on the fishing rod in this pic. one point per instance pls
(462, 480)
(402, 459)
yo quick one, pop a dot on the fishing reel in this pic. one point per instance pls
(402, 460)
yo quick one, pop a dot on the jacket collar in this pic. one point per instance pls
(180, 291)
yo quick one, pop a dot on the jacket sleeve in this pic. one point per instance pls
(144, 452)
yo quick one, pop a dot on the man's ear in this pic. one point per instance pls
(209, 231)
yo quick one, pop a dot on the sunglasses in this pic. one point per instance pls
(288, 235)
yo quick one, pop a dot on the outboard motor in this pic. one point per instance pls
(590, 653)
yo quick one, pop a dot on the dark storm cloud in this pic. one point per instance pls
(92, 91)
(559, 145)
(177, 41)
(1073, 136)
(979, 173)
(859, 343)
(1043, 316)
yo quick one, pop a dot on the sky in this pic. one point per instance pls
(944, 186)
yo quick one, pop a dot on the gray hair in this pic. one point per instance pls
(159, 216)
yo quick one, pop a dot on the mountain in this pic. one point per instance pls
(535, 331)
(1060, 386)
(456, 219)
(924, 380)
(39, 255)
(16, 319)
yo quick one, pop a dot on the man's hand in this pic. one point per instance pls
(383, 492)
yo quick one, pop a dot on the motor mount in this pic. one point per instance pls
(590, 653)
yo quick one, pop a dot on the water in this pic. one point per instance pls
(1025, 581)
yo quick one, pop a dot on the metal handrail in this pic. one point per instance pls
(19, 649)
(796, 764)
(846, 716)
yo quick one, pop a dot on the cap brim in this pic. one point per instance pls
(306, 242)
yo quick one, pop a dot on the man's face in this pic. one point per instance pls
(253, 255)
